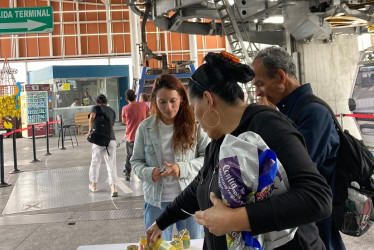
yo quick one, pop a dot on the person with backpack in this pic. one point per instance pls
(218, 103)
(132, 115)
(276, 84)
(101, 122)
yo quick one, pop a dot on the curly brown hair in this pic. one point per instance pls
(185, 128)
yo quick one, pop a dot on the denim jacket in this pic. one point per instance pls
(147, 156)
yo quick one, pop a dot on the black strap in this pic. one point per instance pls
(316, 99)
(100, 112)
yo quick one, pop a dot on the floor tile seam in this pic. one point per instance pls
(82, 216)
(28, 236)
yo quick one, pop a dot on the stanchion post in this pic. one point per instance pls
(2, 183)
(33, 144)
(62, 135)
(47, 138)
(16, 170)
(341, 120)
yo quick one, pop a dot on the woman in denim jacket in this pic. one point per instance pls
(168, 152)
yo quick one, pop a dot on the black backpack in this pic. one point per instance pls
(355, 165)
(101, 129)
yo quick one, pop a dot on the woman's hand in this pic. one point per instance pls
(88, 134)
(153, 233)
(156, 174)
(173, 170)
(221, 219)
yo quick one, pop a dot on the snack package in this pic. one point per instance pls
(250, 172)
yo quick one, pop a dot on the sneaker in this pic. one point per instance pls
(114, 192)
(127, 178)
(92, 187)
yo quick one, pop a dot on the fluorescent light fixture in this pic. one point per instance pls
(231, 2)
(274, 19)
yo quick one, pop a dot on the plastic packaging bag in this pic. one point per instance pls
(358, 212)
(249, 172)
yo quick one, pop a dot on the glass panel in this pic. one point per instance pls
(112, 95)
(76, 92)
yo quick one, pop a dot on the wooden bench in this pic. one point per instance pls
(81, 120)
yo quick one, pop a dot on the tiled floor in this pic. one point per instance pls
(54, 188)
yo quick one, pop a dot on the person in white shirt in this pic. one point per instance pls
(168, 152)
(75, 103)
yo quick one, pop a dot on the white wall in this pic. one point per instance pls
(331, 68)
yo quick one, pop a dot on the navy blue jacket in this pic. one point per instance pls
(317, 126)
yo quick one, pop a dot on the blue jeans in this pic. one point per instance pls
(151, 213)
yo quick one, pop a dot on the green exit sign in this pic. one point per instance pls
(26, 20)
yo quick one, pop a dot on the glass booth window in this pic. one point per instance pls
(76, 92)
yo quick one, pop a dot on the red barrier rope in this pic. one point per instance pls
(54, 122)
(29, 127)
(43, 124)
(17, 130)
(359, 115)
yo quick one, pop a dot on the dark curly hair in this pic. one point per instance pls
(220, 75)
(185, 128)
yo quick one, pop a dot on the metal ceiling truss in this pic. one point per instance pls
(303, 19)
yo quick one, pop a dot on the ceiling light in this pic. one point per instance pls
(274, 19)
(231, 2)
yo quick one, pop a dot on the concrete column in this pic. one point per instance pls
(193, 49)
(109, 26)
(15, 37)
(227, 45)
(62, 30)
(288, 42)
(50, 37)
(78, 29)
(331, 69)
(135, 32)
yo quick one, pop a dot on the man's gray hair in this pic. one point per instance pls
(274, 58)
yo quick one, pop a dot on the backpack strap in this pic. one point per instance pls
(99, 111)
(311, 99)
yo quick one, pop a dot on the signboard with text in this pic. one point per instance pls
(26, 20)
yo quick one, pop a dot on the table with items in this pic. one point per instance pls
(194, 245)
